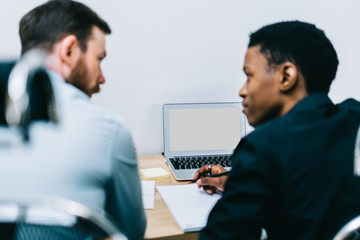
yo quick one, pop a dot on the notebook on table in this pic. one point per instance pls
(189, 205)
(196, 134)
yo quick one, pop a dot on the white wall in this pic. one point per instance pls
(165, 51)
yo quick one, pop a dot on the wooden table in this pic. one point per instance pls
(160, 223)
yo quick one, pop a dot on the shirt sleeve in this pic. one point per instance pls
(242, 211)
(124, 199)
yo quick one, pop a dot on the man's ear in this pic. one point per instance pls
(69, 52)
(289, 76)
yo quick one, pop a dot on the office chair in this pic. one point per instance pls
(350, 231)
(5, 69)
(53, 218)
(357, 155)
(26, 93)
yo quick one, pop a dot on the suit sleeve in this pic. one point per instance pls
(245, 206)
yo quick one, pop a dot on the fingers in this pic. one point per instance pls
(210, 184)
(202, 171)
(212, 169)
(217, 169)
(206, 181)
(215, 183)
(210, 190)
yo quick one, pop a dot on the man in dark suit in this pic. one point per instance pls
(294, 174)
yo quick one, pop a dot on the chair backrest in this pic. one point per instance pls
(350, 231)
(53, 218)
(357, 155)
(5, 69)
(26, 93)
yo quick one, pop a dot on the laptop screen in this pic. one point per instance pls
(204, 129)
(209, 127)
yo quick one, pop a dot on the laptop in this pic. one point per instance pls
(196, 134)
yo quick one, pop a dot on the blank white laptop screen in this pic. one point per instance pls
(204, 129)
(201, 133)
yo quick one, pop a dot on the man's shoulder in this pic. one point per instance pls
(276, 127)
(351, 101)
(269, 127)
(71, 102)
(87, 114)
(261, 136)
(103, 112)
(350, 104)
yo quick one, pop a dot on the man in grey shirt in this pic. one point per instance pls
(89, 156)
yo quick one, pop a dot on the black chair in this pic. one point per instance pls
(26, 93)
(53, 218)
(5, 69)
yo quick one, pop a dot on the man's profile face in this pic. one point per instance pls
(87, 74)
(261, 97)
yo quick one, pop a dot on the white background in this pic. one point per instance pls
(167, 51)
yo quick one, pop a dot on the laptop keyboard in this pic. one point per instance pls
(198, 161)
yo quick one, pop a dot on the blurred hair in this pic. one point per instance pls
(48, 23)
(302, 44)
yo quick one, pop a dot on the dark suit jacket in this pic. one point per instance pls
(293, 176)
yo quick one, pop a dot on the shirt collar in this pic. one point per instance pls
(65, 91)
(313, 101)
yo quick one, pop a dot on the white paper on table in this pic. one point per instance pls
(189, 205)
(148, 193)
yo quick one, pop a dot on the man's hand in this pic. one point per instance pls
(210, 184)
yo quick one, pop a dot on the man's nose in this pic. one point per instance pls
(101, 79)
(243, 91)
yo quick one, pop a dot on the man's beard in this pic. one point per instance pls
(79, 78)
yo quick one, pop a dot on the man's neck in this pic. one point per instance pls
(295, 95)
(292, 100)
(53, 63)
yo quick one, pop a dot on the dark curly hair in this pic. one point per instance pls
(302, 44)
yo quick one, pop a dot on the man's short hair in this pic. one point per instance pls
(302, 44)
(48, 23)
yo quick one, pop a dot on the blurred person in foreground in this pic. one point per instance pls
(90, 156)
(294, 174)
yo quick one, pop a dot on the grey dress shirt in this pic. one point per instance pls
(88, 157)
